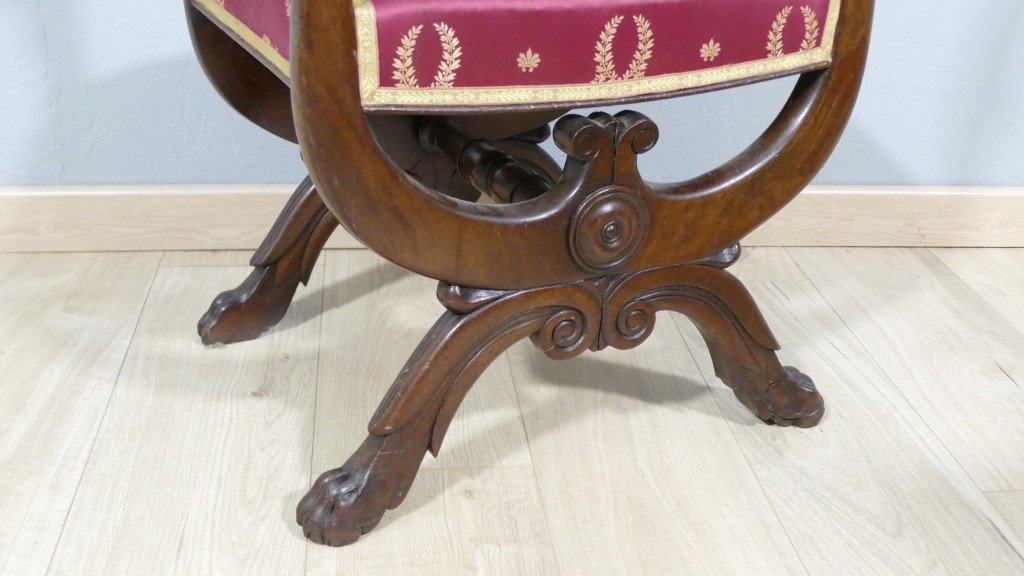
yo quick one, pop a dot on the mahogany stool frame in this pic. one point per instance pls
(606, 250)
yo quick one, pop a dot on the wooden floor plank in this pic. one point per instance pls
(956, 360)
(375, 315)
(1011, 506)
(997, 275)
(65, 325)
(870, 490)
(202, 451)
(638, 470)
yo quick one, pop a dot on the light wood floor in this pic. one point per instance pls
(128, 448)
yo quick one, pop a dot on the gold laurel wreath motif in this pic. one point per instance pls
(605, 57)
(775, 47)
(405, 72)
(812, 31)
(451, 58)
(644, 49)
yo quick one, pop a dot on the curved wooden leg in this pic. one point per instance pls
(563, 321)
(285, 258)
(742, 346)
(349, 501)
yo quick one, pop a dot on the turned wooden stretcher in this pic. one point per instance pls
(579, 256)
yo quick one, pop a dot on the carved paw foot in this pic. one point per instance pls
(347, 502)
(791, 401)
(244, 313)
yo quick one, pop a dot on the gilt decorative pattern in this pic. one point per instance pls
(467, 53)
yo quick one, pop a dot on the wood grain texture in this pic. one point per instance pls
(202, 449)
(65, 325)
(374, 316)
(955, 359)
(995, 275)
(455, 522)
(637, 467)
(1011, 506)
(87, 218)
(871, 490)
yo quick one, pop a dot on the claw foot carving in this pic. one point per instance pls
(347, 502)
(791, 401)
(247, 311)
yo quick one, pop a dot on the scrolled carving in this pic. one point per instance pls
(608, 229)
(640, 133)
(633, 324)
(564, 335)
(582, 138)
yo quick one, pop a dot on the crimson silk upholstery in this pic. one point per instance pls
(466, 52)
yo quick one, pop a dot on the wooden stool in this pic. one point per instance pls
(408, 111)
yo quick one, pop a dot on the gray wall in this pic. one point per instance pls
(100, 92)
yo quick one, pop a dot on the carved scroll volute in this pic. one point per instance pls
(589, 144)
(612, 221)
(638, 134)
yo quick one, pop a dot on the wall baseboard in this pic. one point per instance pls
(141, 218)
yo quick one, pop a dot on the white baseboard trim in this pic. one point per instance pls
(143, 218)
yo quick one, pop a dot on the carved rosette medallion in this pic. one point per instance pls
(608, 229)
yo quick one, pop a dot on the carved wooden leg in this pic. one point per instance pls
(285, 258)
(563, 321)
(742, 346)
(349, 501)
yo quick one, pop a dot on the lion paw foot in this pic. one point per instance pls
(791, 401)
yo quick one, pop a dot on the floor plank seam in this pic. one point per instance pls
(106, 408)
(891, 379)
(1015, 325)
(746, 459)
(533, 466)
(316, 395)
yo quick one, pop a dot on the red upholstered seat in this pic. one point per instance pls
(464, 53)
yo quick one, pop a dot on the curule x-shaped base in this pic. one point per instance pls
(563, 321)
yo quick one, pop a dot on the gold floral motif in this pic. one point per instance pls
(605, 58)
(528, 61)
(451, 57)
(811, 31)
(775, 47)
(405, 72)
(710, 50)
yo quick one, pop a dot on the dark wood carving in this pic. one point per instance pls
(285, 258)
(564, 321)
(576, 257)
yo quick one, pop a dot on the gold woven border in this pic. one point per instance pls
(228, 20)
(373, 95)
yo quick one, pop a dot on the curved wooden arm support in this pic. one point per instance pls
(437, 236)
(242, 80)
